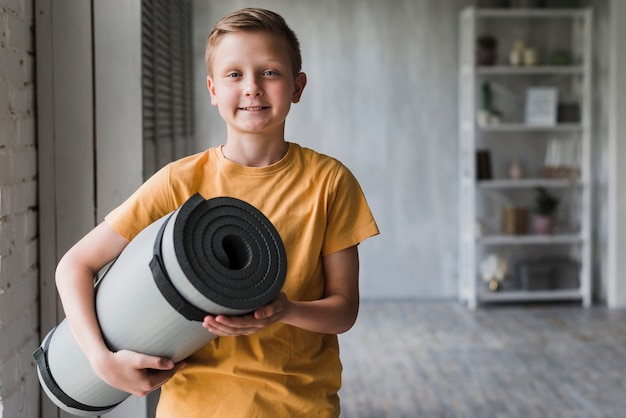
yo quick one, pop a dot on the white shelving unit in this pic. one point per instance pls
(481, 200)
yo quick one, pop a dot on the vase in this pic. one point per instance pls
(514, 221)
(516, 170)
(531, 57)
(485, 56)
(543, 224)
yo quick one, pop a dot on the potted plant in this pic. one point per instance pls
(546, 205)
(487, 115)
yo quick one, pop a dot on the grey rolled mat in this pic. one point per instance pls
(218, 256)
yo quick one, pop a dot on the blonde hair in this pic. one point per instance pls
(250, 20)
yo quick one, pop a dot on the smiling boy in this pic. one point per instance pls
(282, 360)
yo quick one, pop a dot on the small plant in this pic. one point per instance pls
(545, 203)
(488, 115)
(486, 96)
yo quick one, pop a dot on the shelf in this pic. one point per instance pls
(535, 70)
(521, 127)
(528, 295)
(550, 30)
(530, 239)
(527, 183)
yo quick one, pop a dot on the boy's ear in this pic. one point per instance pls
(211, 87)
(300, 83)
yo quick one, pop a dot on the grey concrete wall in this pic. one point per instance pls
(381, 97)
(19, 335)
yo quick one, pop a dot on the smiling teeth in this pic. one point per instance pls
(253, 108)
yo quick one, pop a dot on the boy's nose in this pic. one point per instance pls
(252, 87)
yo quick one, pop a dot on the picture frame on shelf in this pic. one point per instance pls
(541, 106)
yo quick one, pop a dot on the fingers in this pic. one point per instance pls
(155, 363)
(156, 378)
(157, 370)
(274, 310)
(136, 373)
(223, 325)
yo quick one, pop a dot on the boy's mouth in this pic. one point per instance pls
(252, 109)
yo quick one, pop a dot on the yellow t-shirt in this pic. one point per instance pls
(318, 208)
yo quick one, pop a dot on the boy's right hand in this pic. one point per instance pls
(135, 373)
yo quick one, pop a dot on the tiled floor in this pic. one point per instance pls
(438, 359)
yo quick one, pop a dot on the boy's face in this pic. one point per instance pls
(252, 83)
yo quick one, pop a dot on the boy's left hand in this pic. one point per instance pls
(224, 325)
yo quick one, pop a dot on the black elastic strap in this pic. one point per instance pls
(41, 356)
(163, 282)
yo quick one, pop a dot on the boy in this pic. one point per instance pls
(283, 359)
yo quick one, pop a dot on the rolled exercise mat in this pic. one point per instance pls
(218, 256)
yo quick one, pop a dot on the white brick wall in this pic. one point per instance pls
(19, 313)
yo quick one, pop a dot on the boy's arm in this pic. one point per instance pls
(125, 370)
(333, 314)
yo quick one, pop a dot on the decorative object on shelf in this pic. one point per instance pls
(561, 160)
(548, 274)
(493, 270)
(523, 54)
(561, 57)
(541, 106)
(528, 4)
(483, 164)
(516, 169)
(546, 205)
(531, 56)
(488, 115)
(568, 113)
(486, 50)
(516, 55)
(514, 220)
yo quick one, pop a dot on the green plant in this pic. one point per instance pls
(487, 100)
(545, 202)
(487, 41)
(487, 96)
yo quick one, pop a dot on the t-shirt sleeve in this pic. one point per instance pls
(350, 220)
(148, 203)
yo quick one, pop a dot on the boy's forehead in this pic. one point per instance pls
(248, 36)
(261, 45)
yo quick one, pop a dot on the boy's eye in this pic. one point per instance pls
(233, 74)
(270, 73)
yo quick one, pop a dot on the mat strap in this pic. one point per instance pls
(41, 356)
(167, 289)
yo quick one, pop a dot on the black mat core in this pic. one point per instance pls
(230, 252)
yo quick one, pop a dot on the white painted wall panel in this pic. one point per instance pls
(119, 132)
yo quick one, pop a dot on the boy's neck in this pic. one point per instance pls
(254, 152)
